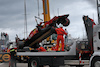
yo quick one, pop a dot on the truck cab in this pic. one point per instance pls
(96, 37)
(95, 58)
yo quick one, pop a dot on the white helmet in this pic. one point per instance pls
(60, 25)
(11, 46)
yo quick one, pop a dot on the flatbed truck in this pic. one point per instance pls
(76, 56)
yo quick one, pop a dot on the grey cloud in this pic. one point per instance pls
(92, 2)
(12, 13)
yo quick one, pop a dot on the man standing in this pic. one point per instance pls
(60, 33)
(12, 62)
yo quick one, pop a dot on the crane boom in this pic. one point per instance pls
(46, 11)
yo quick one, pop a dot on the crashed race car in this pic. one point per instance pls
(41, 32)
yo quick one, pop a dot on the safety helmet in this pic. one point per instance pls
(11, 46)
(60, 25)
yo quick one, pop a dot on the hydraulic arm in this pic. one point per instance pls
(89, 30)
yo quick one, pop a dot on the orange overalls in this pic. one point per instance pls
(41, 49)
(60, 33)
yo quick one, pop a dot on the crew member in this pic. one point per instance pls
(41, 49)
(60, 33)
(12, 62)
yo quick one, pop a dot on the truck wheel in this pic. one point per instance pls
(33, 63)
(96, 62)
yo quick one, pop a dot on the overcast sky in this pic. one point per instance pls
(12, 15)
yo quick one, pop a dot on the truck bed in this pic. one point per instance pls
(42, 53)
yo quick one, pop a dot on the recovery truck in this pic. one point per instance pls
(78, 55)
(43, 58)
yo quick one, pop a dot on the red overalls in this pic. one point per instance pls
(41, 49)
(60, 33)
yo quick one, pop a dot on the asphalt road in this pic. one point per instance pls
(25, 65)
(18, 65)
